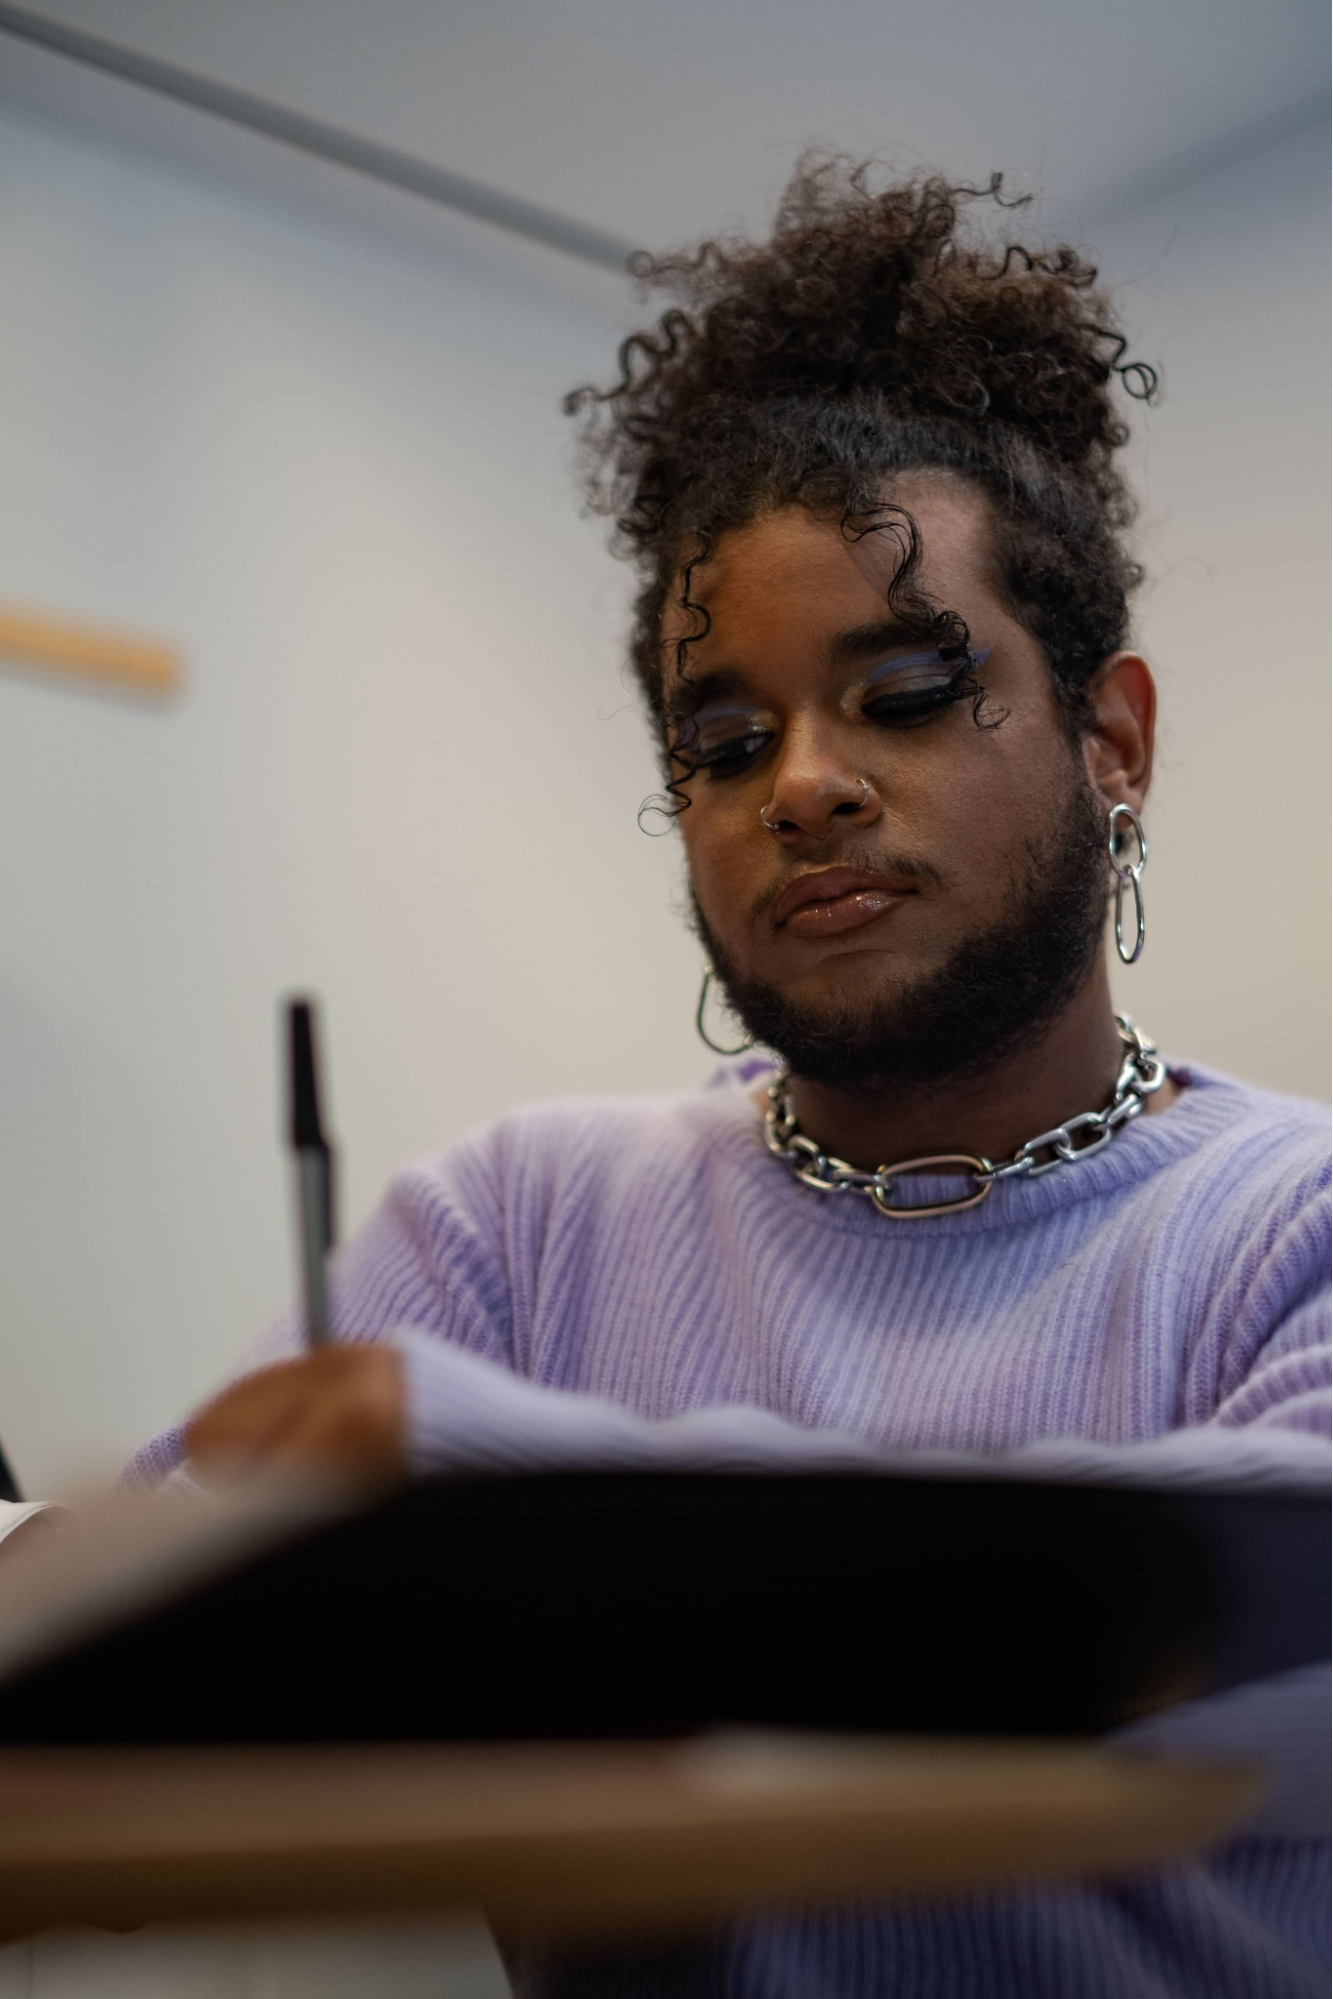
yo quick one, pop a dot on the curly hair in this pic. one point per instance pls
(871, 336)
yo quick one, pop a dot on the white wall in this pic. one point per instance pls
(405, 770)
(1226, 286)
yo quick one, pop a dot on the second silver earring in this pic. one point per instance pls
(1125, 828)
(701, 1021)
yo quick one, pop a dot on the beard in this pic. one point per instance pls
(996, 988)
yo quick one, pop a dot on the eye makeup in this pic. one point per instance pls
(725, 738)
(909, 690)
(921, 669)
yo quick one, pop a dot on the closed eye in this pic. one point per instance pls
(909, 710)
(914, 690)
(733, 755)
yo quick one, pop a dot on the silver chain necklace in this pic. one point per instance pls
(1141, 1074)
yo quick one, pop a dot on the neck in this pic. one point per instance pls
(1069, 1065)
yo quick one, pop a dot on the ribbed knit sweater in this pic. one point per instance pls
(663, 1290)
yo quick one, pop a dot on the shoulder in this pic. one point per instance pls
(573, 1145)
(462, 1234)
(1253, 1189)
(1289, 1119)
(1268, 1146)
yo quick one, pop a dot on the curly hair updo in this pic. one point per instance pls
(873, 336)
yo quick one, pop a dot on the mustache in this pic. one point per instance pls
(902, 867)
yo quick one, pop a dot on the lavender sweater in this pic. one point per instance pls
(635, 1281)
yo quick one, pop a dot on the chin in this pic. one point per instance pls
(855, 986)
(876, 1019)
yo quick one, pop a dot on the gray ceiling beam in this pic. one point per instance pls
(326, 142)
(1225, 149)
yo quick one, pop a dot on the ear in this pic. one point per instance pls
(1118, 748)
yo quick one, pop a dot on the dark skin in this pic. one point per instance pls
(953, 799)
(937, 811)
(340, 1408)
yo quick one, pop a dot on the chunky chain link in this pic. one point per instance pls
(1142, 1072)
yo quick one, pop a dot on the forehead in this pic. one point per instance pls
(795, 572)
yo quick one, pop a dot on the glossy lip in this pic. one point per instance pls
(827, 885)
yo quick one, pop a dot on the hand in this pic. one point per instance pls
(338, 1408)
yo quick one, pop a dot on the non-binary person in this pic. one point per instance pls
(867, 473)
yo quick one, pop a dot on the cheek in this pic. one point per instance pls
(988, 771)
(708, 859)
(724, 866)
(952, 799)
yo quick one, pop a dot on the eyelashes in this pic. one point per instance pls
(913, 691)
(730, 758)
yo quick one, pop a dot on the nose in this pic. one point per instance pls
(811, 796)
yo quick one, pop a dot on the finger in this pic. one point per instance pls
(342, 1405)
(248, 1420)
(251, 1413)
(357, 1423)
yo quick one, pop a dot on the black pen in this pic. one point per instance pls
(314, 1170)
(9, 1485)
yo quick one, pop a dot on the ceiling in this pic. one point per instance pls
(662, 122)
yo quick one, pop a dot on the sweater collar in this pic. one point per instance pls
(1209, 1103)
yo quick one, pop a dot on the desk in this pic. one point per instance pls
(574, 1840)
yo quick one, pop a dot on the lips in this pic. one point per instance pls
(829, 900)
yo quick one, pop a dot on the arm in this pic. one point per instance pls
(462, 1413)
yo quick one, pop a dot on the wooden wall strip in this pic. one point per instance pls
(31, 639)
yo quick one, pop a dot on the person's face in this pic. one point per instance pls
(815, 712)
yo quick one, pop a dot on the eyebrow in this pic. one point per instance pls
(859, 642)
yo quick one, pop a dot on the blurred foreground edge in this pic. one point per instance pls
(572, 1840)
(583, 1606)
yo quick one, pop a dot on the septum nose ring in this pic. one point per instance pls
(768, 825)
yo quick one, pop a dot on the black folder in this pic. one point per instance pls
(584, 1605)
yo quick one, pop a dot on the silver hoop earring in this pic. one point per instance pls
(702, 1031)
(1128, 875)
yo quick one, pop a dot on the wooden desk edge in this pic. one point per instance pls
(675, 1859)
